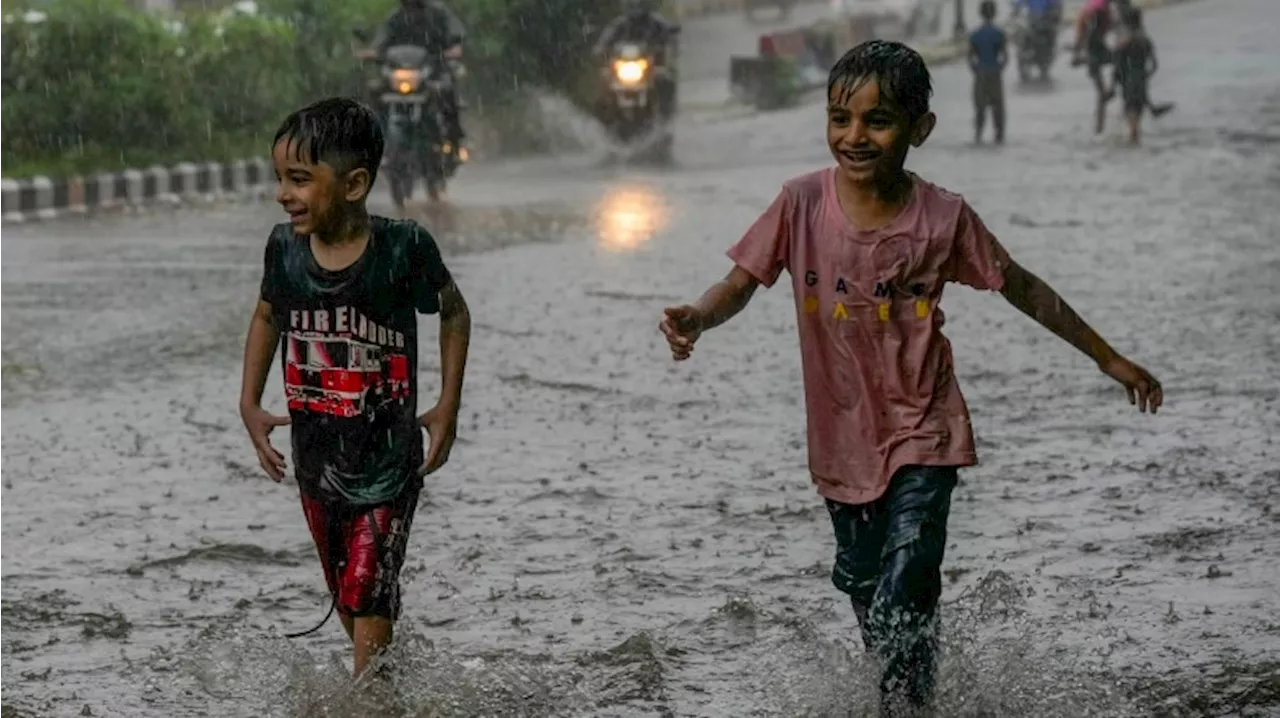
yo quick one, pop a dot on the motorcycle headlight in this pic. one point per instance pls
(405, 80)
(630, 72)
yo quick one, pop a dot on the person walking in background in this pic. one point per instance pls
(1092, 26)
(1135, 63)
(988, 55)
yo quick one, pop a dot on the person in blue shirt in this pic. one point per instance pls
(1039, 9)
(988, 55)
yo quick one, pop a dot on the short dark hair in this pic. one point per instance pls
(1133, 16)
(901, 71)
(987, 9)
(339, 131)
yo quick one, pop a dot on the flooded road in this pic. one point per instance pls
(619, 535)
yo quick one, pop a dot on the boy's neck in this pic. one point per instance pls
(353, 227)
(889, 191)
(871, 205)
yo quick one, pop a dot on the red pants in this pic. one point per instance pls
(361, 551)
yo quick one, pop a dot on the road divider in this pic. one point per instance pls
(41, 198)
(690, 9)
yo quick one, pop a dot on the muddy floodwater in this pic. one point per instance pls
(619, 535)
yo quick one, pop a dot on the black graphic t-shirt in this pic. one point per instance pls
(349, 348)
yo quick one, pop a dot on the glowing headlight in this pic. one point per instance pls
(405, 81)
(630, 71)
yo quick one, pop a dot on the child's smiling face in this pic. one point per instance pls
(313, 193)
(869, 134)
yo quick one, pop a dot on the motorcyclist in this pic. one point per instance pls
(644, 26)
(1039, 10)
(430, 24)
(1043, 18)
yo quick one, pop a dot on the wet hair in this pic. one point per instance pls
(987, 9)
(339, 132)
(901, 72)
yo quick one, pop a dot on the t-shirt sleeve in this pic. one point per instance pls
(428, 271)
(977, 259)
(765, 249)
(270, 289)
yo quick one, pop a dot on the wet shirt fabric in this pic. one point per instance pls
(988, 45)
(349, 349)
(1131, 58)
(880, 387)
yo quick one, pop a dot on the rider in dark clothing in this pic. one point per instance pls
(641, 25)
(429, 24)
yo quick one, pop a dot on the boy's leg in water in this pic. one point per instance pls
(859, 531)
(370, 593)
(368, 548)
(328, 528)
(900, 562)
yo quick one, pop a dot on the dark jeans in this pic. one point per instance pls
(888, 559)
(988, 93)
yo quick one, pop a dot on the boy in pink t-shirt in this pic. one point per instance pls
(869, 247)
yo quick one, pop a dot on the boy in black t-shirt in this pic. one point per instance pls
(341, 291)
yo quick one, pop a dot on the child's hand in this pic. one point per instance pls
(441, 423)
(1142, 388)
(682, 327)
(259, 424)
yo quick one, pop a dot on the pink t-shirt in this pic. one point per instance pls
(880, 389)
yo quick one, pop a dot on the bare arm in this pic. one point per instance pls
(1152, 62)
(726, 298)
(259, 351)
(683, 325)
(1039, 301)
(455, 338)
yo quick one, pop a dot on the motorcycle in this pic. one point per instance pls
(633, 113)
(1037, 42)
(412, 97)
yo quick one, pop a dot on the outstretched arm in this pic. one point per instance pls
(1039, 301)
(726, 298)
(683, 325)
(1033, 297)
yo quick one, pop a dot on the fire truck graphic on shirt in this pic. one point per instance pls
(342, 376)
